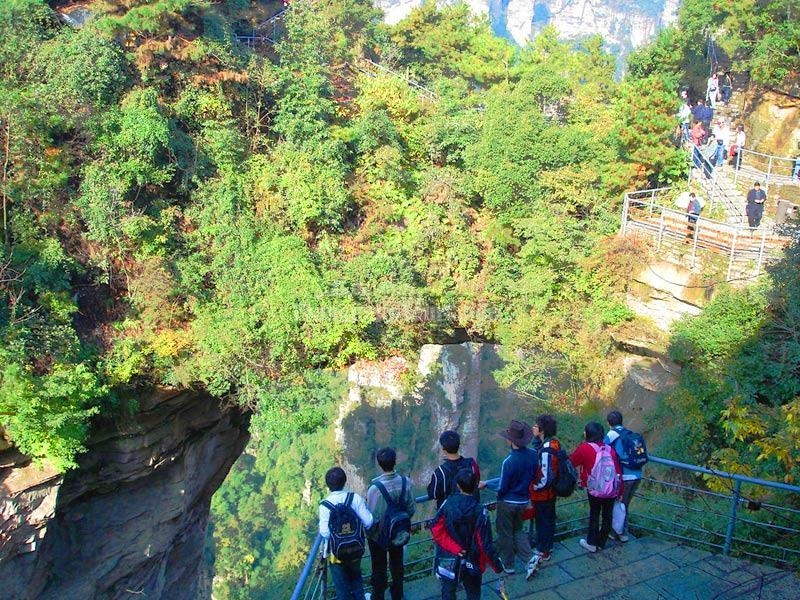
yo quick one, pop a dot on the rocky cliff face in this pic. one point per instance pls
(625, 24)
(130, 522)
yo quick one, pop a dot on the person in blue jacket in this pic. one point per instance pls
(513, 496)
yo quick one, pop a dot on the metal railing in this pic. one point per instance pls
(766, 168)
(748, 248)
(370, 67)
(319, 579)
(265, 32)
(708, 175)
(752, 518)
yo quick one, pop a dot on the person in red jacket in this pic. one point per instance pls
(601, 476)
(543, 495)
(463, 533)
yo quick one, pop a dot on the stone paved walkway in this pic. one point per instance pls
(646, 569)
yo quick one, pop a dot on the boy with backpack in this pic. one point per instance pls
(601, 475)
(443, 478)
(554, 477)
(391, 501)
(463, 535)
(343, 517)
(632, 453)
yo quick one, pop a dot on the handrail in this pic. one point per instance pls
(725, 475)
(727, 536)
(317, 545)
(312, 556)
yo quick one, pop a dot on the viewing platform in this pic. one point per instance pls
(700, 534)
(645, 568)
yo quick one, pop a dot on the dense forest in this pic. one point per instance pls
(179, 209)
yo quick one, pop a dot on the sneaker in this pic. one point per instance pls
(587, 546)
(533, 566)
(543, 556)
(623, 538)
(509, 571)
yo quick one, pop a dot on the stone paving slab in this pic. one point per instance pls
(643, 569)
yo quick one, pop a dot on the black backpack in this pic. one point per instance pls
(347, 531)
(395, 527)
(450, 468)
(566, 478)
(633, 448)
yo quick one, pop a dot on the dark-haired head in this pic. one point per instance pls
(593, 432)
(387, 458)
(614, 418)
(335, 479)
(465, 480)
(450, 441)
(546, 424)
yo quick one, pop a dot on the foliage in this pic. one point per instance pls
(740, 384)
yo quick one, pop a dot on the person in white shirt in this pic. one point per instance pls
(712, 90)
(722, 135)
(738, 144)
(346, 575)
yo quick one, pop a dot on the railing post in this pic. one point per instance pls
(761, 251)
(694, 245)
(660, 232)
(625, 208)
(737, 492)
(733, 253)
(738, 166)
(769, 172)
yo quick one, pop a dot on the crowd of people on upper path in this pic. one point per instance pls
(714, 140)
(536, 472)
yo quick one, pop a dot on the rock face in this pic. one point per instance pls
(130, 522)
(625, 24)
(665, 292)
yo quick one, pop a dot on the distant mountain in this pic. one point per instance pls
(625, 24)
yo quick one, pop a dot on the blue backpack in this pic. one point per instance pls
(395, 527)
(347, 530)
(634, 450)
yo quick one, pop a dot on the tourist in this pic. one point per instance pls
(755, 205)
(727, 87)
(390, 499)
(738, 144)
(543, 494)
(512, 490)
(703, 113)
(722, 135)
(629, 446)
(712, 90)
(462, 531)
(442, 482)
(693, 213)
(601, 476)
(343, 516)
(796, 170)
(685, 118)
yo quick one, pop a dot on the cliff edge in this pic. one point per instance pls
(130, 522)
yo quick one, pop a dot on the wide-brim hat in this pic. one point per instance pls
(518, 433)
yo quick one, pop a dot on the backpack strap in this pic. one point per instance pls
(386, 495)
(327, 505)
(402, 497)
(348, 501)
